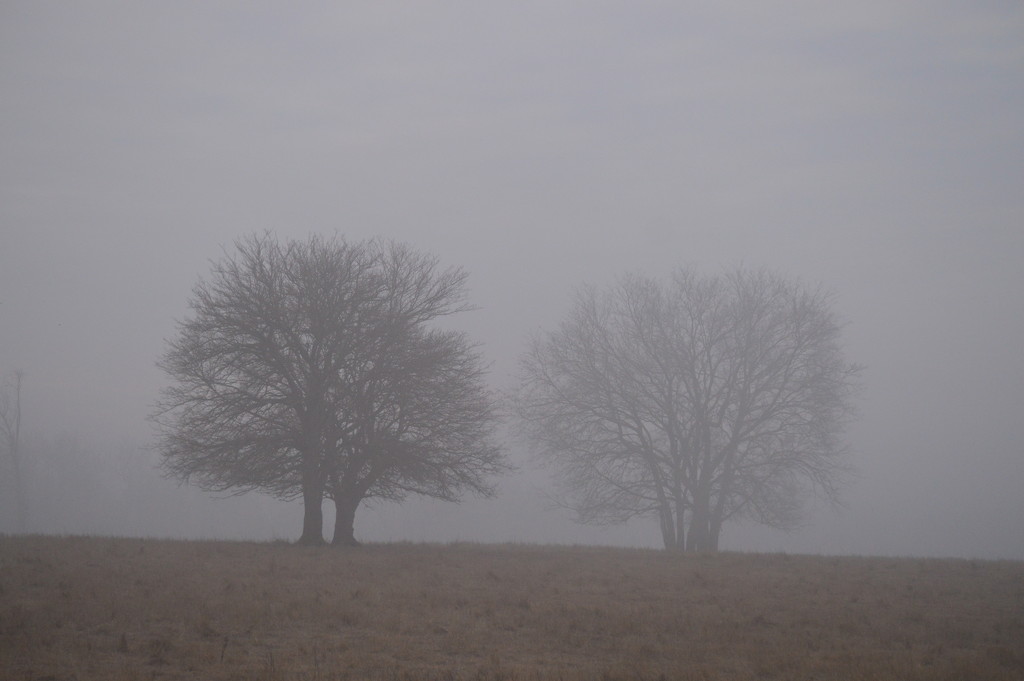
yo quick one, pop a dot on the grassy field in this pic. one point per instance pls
(97, 608)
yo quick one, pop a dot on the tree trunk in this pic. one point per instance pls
(695, 540)
(680, 518)
(313, 510)
(344, 520)
(714, 534)
(699, 534)
(669, 534)
(716, 519)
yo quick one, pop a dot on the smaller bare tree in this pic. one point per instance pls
(10, 433)
(696, 401)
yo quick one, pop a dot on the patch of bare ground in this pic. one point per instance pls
(96, 608)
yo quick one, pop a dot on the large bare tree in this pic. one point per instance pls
(696, 401)
(307, 369)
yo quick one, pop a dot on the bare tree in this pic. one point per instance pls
(696, 401)
(307, 369)
(10, 432)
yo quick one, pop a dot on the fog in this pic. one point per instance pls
(874, 148)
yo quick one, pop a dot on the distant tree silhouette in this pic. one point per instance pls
(696, 401)
(307, 369)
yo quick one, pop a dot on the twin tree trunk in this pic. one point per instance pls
(705, 526)
(313, 520)
(704, 530)
(345, 506)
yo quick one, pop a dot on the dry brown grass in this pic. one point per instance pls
(90, 608)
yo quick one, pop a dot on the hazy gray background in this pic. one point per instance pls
(874, 147)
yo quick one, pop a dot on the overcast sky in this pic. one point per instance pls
(875, 148)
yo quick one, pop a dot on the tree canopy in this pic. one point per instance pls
(309, 369)
(696, 401)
